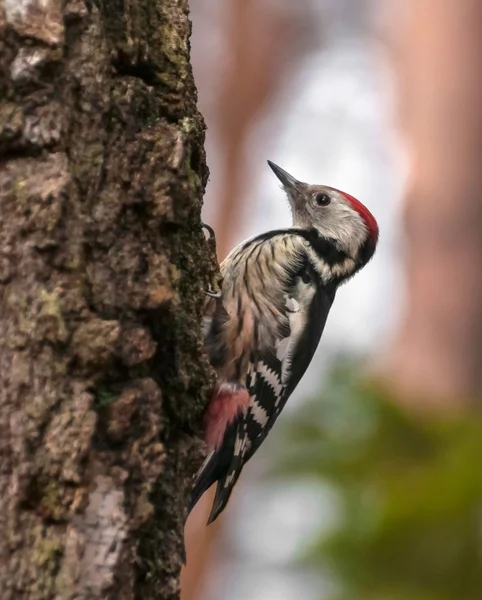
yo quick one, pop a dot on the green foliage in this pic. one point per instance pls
(409, 489)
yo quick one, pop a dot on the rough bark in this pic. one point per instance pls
(102, 269)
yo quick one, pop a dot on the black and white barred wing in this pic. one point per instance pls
(248, 431)
(273, 374)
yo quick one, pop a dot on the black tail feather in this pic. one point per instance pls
(221, 499)
(220, 466)
(227, 482)
(205, 477)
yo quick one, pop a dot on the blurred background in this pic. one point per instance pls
(382, 99)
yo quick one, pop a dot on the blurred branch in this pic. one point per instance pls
(261, 50)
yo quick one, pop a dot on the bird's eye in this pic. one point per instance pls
(322, 199)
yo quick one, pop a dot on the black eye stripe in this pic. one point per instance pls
(322, 199)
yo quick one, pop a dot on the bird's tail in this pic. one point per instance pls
(223, 465)
(224, 430)
(231, 475)
(223, 492)
(205, 477)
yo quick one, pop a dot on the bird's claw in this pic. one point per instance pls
(210, 230)
(212, 294)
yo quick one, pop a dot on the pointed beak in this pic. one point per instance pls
(288, 181)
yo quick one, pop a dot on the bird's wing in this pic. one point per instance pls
(274, 372)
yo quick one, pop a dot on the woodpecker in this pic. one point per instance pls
(263, 327)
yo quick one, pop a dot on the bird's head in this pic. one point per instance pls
(336, 215)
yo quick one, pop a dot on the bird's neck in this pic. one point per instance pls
(333, 263)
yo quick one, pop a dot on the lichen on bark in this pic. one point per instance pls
(103, 379)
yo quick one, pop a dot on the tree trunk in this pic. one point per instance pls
(102, 270)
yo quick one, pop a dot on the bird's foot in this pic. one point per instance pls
(210, 230)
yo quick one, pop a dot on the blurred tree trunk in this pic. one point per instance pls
(437, 355)
(102, 269)
(262, 52)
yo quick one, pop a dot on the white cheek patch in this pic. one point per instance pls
(344, 224)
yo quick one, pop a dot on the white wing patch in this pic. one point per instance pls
(297, 323)
(281, 348)
(297, 320)
(291, 303)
